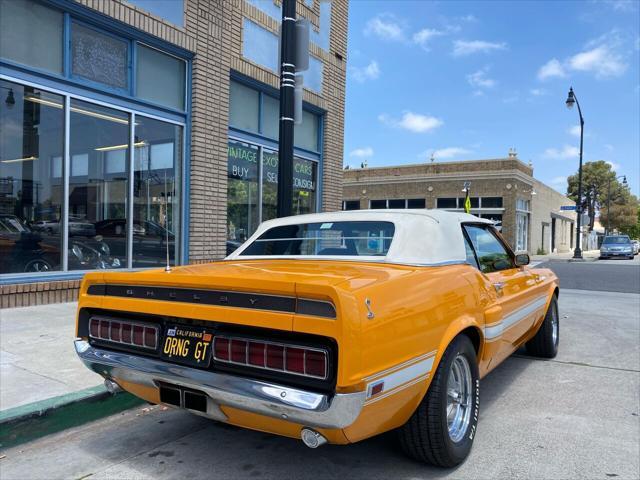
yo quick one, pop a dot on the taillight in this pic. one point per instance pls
(295, 359)
(126, 333)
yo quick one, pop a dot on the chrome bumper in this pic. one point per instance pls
(277, 401)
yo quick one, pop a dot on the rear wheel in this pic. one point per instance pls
(545, 342)
(441, 430)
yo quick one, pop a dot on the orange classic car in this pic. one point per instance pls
(329, 327)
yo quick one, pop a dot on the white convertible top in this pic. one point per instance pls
(422, 237)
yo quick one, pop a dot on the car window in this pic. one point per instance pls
(621, 239)
(325, 239)
(492, 256)
(471, 256)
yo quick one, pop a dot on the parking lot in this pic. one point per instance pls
(573, 417)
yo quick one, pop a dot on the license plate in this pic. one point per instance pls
(188, 345)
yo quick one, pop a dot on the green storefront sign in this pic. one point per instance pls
(243, 165)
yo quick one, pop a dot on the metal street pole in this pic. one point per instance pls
(609, 202)
(571, 99)
(287, 92)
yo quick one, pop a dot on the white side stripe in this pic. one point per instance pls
(400, 377)
(496, 330)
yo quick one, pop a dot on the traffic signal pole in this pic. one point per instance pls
(287, 89)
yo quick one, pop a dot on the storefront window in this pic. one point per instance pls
(244, 196)
(156, 181)
(31, 34)
(31, 196)
(269, 184)
(306, 133)
(160, 78)
(242, 192)
(305, 181)
(244, 107)
(99, 147)
(99, 57)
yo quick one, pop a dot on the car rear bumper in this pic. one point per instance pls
(297, 406)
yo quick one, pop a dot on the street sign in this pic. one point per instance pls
(568, 207)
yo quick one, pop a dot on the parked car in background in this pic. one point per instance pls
(330, 327)
(616, 246)
(636, 246)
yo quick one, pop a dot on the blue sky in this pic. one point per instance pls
(467, 80)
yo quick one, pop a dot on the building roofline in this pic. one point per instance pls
(422, 164)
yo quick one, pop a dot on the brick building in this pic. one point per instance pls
(133, 128)
(526, 211)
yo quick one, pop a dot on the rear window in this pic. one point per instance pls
(327, 238)
(616, 240)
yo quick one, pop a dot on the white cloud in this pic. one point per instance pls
(567, 151)
(553, 68)
(609, 147)
(424, 36)
(469, 18)
(449, 152)
(614, 166)
(414, 122)
(479, 79)
(362, 74)
(538, 92)
(386, 26)
(624, 6)
(575, 131)
(601, 57)
(364, 152)
(602, 61)
(464, 47)
(559, 183)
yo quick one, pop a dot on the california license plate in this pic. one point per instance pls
(188, 345)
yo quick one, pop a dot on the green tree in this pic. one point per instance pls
(632, 229)
(595, 181)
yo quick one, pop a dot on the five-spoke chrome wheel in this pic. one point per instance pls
(459, 396)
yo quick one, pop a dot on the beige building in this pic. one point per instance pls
(526, 211)
(130, 128)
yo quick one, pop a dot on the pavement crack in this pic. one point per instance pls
(39, 374)
(578, 364)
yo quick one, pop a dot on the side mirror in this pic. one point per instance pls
(522, 259)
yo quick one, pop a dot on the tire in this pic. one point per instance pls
(545, 342)
(37, 265)
(426, 436)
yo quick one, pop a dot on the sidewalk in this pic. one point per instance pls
(589, 256)
(44, 387)
(37, 358)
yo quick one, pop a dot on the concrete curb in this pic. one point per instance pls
(34, 420)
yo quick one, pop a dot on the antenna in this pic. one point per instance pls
(166, 222)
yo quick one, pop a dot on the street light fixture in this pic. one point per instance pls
(624, 182)
(571, 100)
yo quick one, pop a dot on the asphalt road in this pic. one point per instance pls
(601, 275)
(572, 417)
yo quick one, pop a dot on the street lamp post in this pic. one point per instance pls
(571, 99)
(624, 182)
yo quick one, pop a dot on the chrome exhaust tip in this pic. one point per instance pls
(311, 438)
(111, 386)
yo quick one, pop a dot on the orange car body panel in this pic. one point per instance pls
(413, 313)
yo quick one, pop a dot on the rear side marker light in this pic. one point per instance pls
(125, 333)
(294, 359)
